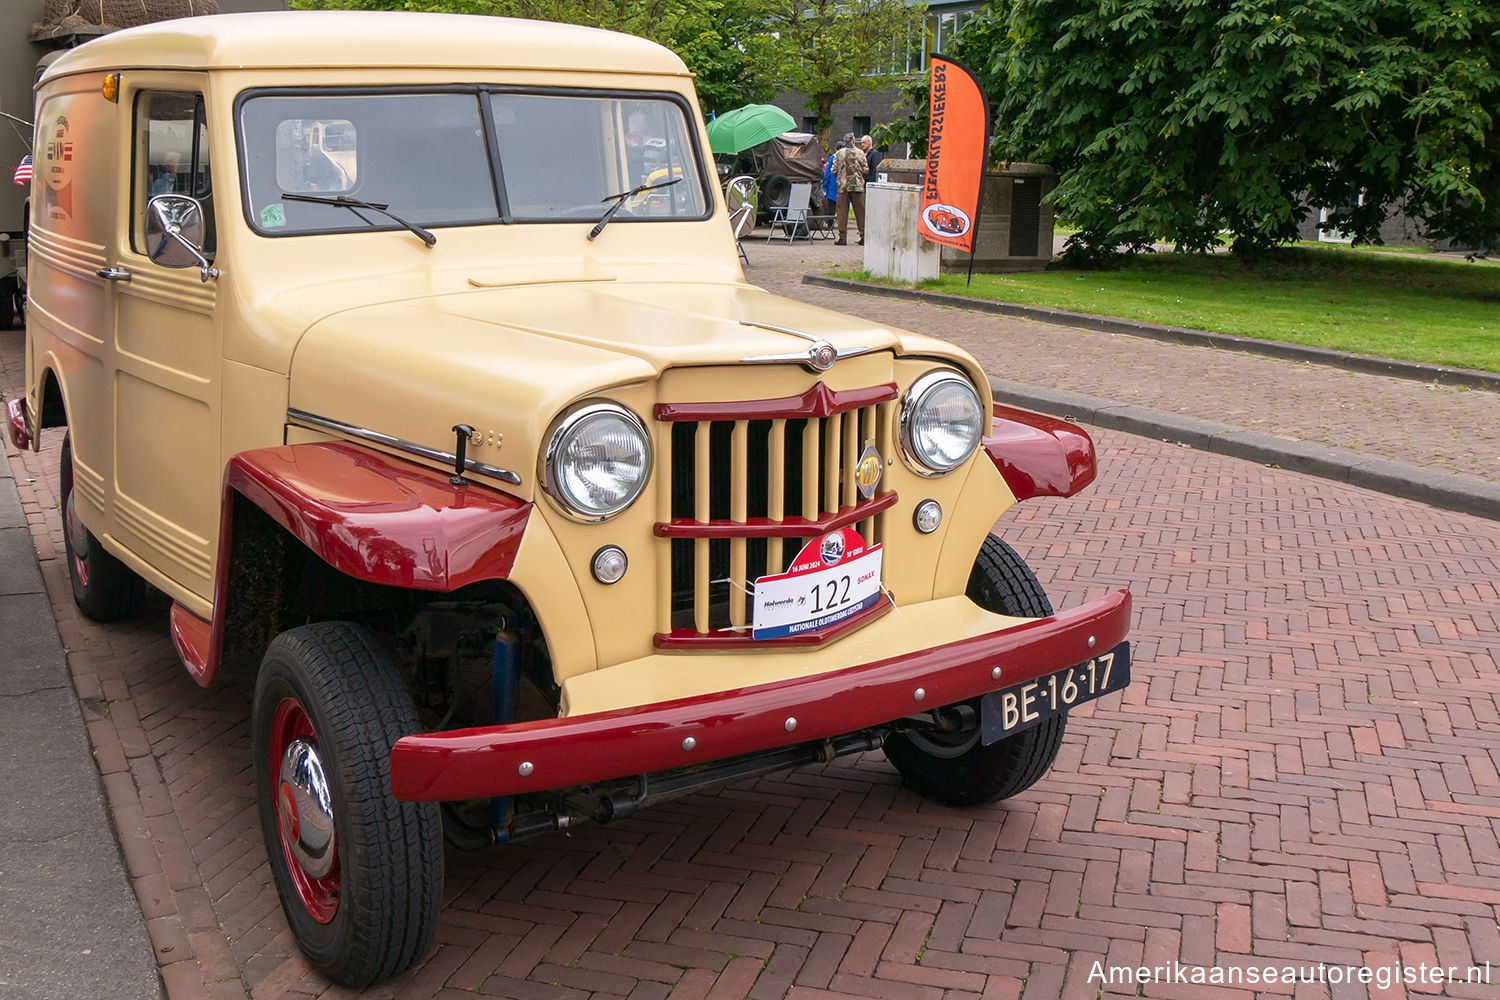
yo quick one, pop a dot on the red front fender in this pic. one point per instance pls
(370, 516)
(1039, 456)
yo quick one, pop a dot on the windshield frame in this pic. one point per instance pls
(482, 93)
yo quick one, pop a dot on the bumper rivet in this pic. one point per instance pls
(689, 743)
(791, 724)
(919, 694)
(1091, 642)
(995, 673)
(525, 769)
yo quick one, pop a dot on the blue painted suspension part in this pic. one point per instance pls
(505, 693)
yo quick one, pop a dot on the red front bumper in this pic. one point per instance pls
(559, 753)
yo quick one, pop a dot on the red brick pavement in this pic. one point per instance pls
(1306, 770)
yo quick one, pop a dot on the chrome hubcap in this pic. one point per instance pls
(78, 535)
(306, 809)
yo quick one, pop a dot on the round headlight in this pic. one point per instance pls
(597, 461)
(941, 422)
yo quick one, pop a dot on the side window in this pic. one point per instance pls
(171, 157)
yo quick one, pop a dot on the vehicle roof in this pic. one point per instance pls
(312, 39)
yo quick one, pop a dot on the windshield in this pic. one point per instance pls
(426, 158)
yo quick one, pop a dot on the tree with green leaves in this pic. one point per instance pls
(1181, 120)
(721, 42)
(830, 49)
(975, 46)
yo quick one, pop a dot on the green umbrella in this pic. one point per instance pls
(748, 126)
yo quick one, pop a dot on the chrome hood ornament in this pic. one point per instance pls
(819, 357)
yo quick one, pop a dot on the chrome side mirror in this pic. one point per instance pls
(174, 233)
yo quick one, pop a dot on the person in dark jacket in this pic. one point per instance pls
(873, 157)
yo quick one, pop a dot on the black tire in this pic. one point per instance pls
(958, 768)
(775, 191)
(10, 301)
(371, 911)
(104, 589)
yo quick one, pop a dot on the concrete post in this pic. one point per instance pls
(892, 247)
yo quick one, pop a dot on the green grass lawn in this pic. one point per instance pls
(1411, 306)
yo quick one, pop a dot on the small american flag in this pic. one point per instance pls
(23, 171)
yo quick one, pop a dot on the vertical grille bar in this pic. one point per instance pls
(776, 491)
(851, 458)
(835, 426)
(810, 470)
(702, 477)
(663, 515)
(739, 471)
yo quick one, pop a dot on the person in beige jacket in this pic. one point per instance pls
(849, 170)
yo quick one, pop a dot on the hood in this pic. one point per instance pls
(667, 324)
(506, 359)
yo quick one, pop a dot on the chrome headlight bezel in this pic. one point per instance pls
(564, 430)
(921, 394)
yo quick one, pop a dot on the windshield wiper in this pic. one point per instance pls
(619, 202)
(354, 204)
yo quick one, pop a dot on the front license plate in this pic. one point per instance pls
(1013, 709)
(834, 577)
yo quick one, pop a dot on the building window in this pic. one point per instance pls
(809, 123)
(861, 125)
(1335, 235)
(945, 26)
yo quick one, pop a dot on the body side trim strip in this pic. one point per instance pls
(297, 416)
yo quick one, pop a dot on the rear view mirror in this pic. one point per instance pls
(174, 233)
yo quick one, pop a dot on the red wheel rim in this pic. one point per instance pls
(319, 896)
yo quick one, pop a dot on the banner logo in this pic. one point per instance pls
(946, 219)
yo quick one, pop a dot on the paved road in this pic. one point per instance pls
(1305, 772)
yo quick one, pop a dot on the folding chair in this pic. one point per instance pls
(792, 217)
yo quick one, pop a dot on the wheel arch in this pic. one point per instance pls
(314, 531)
(51, 411)
(52, 406)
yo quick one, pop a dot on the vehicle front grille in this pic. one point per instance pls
(749, 484)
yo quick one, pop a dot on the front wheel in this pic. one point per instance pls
(958, 768)
(104, 588)
(359, 873)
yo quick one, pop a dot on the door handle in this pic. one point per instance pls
(113, 274)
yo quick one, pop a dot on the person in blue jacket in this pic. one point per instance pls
(830, 184)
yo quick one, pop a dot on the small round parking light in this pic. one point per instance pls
(928, 515)
(609, 564)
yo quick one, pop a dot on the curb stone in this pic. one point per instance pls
(1447, 490)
